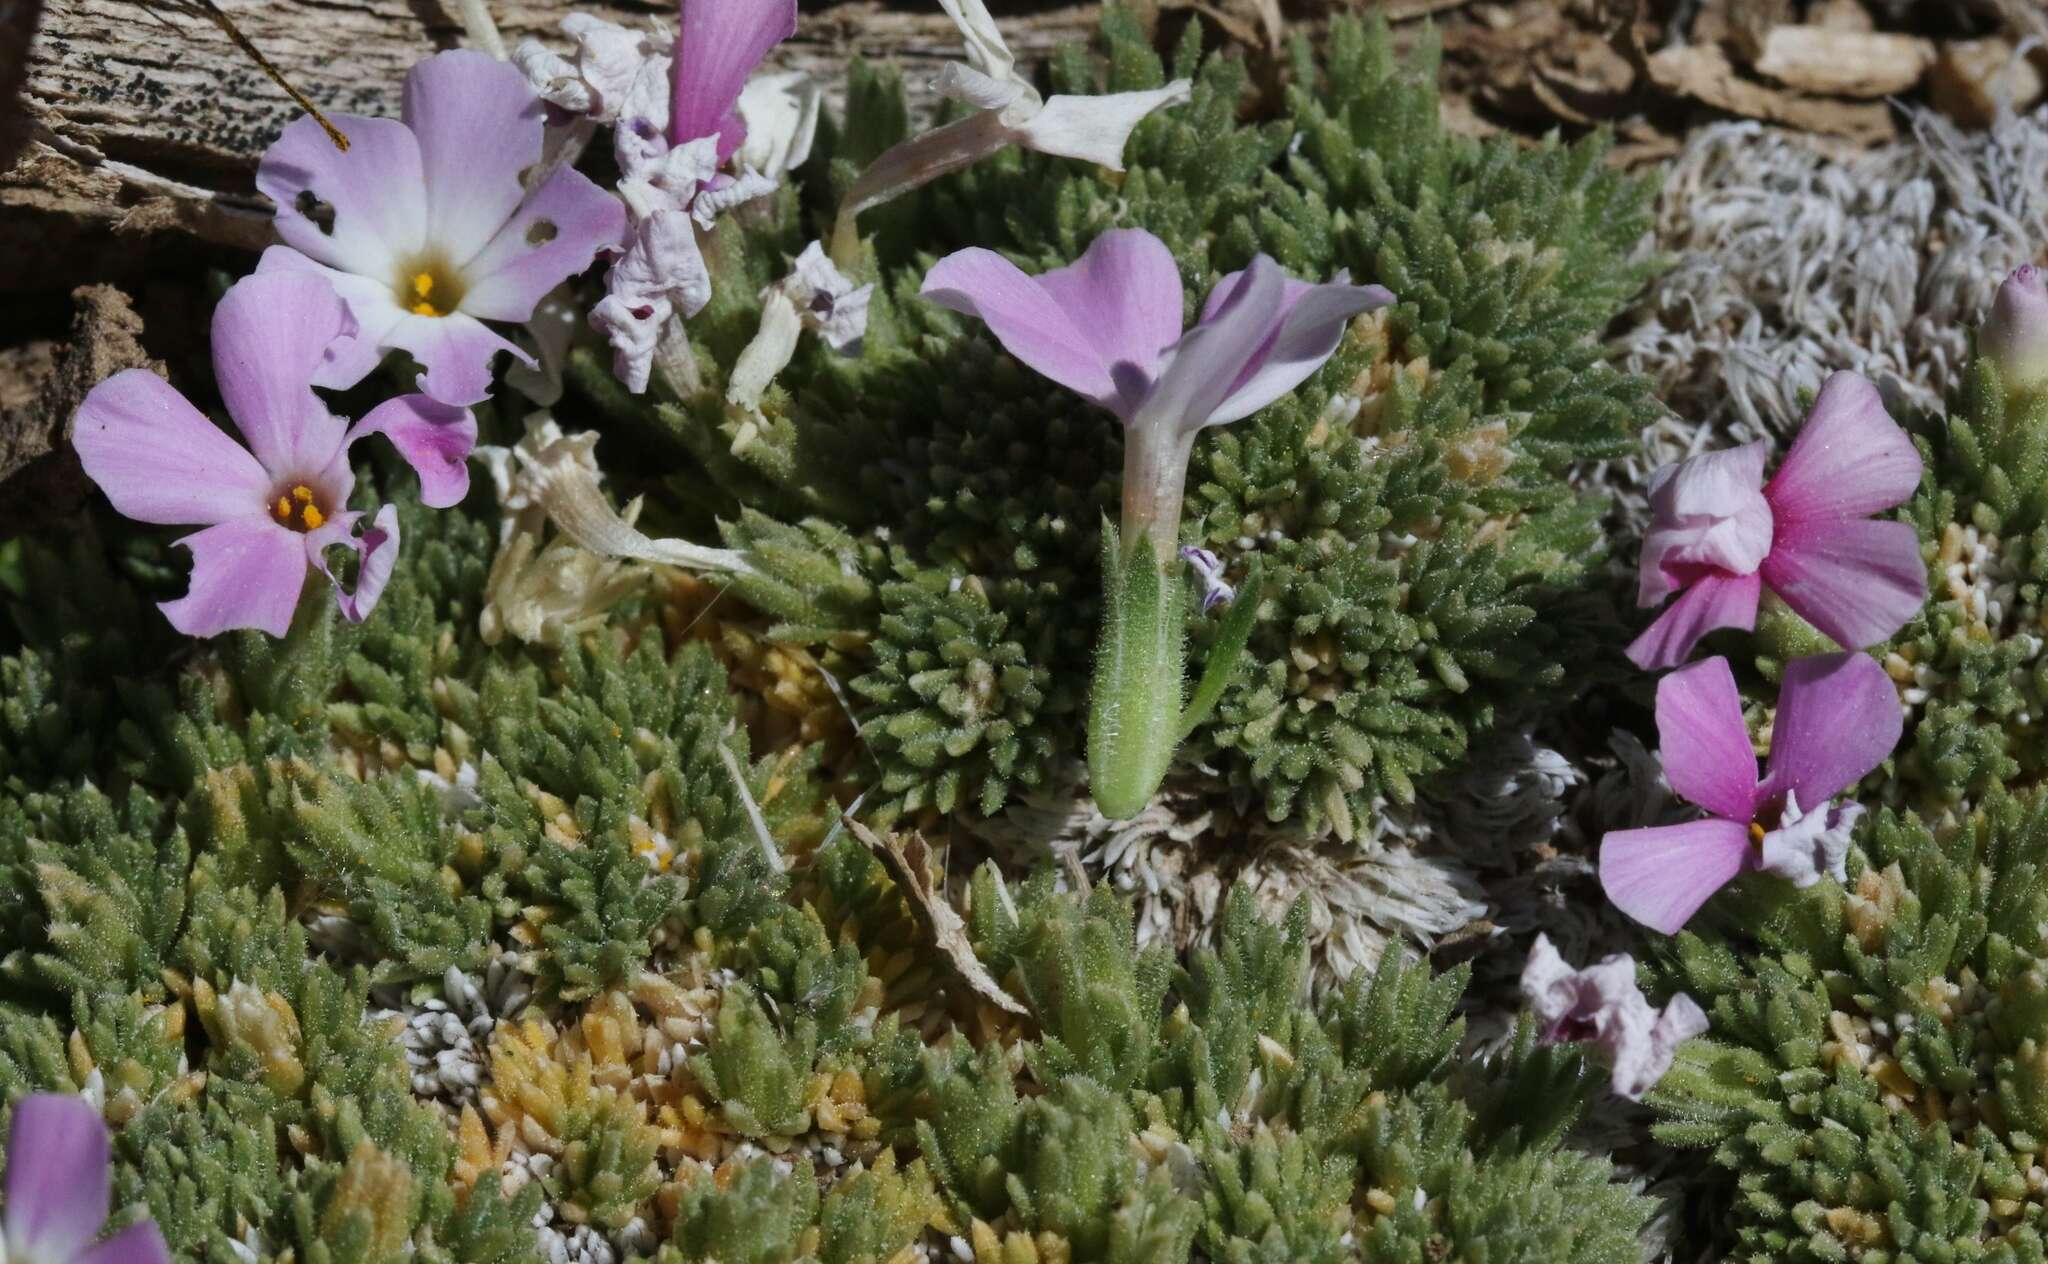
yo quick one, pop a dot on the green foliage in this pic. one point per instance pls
(220, 863)
(1872, 1080)
(929, 512)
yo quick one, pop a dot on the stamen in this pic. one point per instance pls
(1756, 832)
(296, 508)
(428, 288)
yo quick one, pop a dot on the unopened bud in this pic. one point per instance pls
(2015, 335)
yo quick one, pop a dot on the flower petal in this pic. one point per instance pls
(1095, 128)
(1707, 513)
(780, 113)
(1717, 601)
(363, 211)
(721, 43)
(159, 459)
(1640, 1061)
(1124, 292)
(1850, 459)
(478, 124)
(245, 574)
(435, 440)
(456, 351)
(1704, 744)
(553, 235)
(377, 551)
(1200, 372)
(1838, 718)
(1026, 318)
(137, 1244)
(271, 332)
(1660, 876)
(1313, 319)
(57, 1189)
(372, 305)
(1856, 580)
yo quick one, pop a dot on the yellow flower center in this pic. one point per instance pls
(298, 510)
(1756, 832)
(428, 287)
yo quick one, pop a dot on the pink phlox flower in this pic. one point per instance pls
(425, 227)
(2015, 334)
(1108, 327)
(59, 1191)
(271, 510)
(1838, 718)
(1602, 1005)
(1719, 534)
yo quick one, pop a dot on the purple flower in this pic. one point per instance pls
(425, 227)
(1602, 1004)
(273, 509)
(1108, 327)
(1209, 568)
(1838, 717)
(1717, 539)
(2015, 335)
(58, 1191)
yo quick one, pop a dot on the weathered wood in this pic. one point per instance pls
(144, 121)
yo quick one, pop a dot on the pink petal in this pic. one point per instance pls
(1704, 743)
(1660, 876)
(1025, 317)
(245, 574)
(433, 438)
(456, 351)
(478, 124)
(377, 551)
(1850, 459)
(721, 43)
(1125, 292)
(373, 307)
(1202, 370)
(57, 1190)
(1838, 718)
(1313, 319)
(1717, 601)
(1707, 512)
(1856, 580)
(159, 459)
(137, 1244)
(552, 236)
(271, 332)
(374, 193)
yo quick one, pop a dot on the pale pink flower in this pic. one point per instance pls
(58, 1190)
(271, 510)
(1602, 1005)
(1108, 327)
(425, 228)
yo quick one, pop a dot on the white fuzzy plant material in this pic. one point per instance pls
(1793, 261)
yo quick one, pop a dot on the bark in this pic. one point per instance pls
(142, 121)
